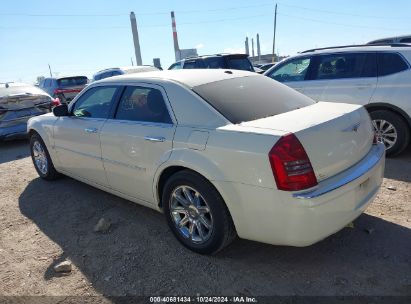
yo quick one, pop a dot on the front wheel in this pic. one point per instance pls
(391, 130)
(41, 158)
(196, 213)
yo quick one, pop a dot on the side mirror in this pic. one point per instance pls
(61, 110)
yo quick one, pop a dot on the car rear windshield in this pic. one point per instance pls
(72, 81)
(238, 63)
(252, 97)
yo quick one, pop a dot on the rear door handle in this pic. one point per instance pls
(154, 138)
(90, 130)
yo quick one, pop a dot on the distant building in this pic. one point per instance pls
(184, 53)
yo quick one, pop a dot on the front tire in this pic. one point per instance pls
(196, 213)
(392, 130)
(41, 158)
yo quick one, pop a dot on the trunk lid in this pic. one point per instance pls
(335, 136)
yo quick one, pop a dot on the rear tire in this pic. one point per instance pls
(41, 158)
(392, 130)
(199, 205)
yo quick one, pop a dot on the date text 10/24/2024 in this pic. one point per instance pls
(203, 299)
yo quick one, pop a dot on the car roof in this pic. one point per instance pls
(126, 68)
(359, 48)
(393, 38)
(190, 77)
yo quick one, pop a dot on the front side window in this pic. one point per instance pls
(192, 64)
(390, 63)
(95, 102)
(143, 104)
(351, 65)
(175, 66)
(295, 70)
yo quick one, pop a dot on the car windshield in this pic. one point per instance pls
(253, 97)
(72, 81)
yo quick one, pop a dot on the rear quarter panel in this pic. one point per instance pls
(396, 90)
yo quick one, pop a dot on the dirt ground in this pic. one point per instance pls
(43, 223)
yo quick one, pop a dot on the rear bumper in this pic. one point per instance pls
(301, 219)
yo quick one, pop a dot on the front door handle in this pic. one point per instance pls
(90, 130)
(154, 138)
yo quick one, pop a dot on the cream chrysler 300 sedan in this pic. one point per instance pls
(220, 152)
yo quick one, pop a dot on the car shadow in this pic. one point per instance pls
(12, 150)
(399, 167)
(138, 255)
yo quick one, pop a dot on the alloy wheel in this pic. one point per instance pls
(385, 132)
(40, 157)
(191, 214)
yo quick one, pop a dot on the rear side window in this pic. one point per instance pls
(252, 97)
(72, 81)
(239, 64)
(143, 104)
(293, 70)
(350, 65)
(214, 63)
(95, 102)
(390, 63)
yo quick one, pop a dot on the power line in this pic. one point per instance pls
(138, 14)
(340, 13)
(340, 24)
(123, 27)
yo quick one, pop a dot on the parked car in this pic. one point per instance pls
(397, 39)
(218, 61)
(267, 66)
(378, 77)
(19, 102)
(219, 152)
(123, 70)
(64, 88)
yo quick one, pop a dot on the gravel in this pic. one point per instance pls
(44, 223)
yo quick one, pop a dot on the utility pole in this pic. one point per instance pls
(51, 75)
(135, 38)
(275, 28)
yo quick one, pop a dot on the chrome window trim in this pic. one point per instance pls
(155, 87)
(140, 123)
(359, 170)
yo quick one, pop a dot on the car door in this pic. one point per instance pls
(346, 77)
(292, 73)
(77, 137)
(137, 140)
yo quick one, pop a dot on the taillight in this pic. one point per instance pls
(290, 165)
(62, 91)
(55, 102)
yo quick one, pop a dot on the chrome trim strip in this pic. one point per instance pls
(372, 159)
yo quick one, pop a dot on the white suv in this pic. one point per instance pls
(378, 77)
